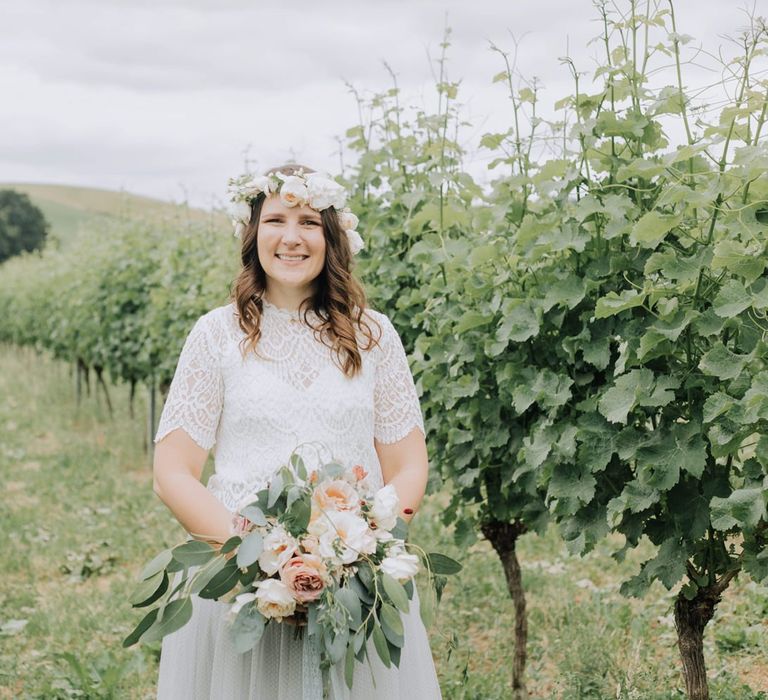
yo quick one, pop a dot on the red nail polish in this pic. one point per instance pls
(408, 511)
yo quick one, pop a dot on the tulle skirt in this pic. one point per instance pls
(198, 662)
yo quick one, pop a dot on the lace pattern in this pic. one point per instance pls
(255, 411)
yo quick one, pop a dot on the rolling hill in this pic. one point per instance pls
(68, 208)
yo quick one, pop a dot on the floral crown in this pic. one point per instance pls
(317, 190)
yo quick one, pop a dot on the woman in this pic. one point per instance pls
(296, 358)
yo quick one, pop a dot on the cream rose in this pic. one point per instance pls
(348, 220)
(323, 192)
(240, 211)
(259, 183)
(279, 547)
(385, 508)
(293, 191)
(305, 577)
(400, 565)
(342, 537)
(274, 599)
(356, 243)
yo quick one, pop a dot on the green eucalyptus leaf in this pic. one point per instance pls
(174, 616)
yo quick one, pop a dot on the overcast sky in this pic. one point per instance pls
(162, 97)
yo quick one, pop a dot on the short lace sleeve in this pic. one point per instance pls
(396, 404)
(196, 394)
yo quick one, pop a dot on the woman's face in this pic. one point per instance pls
(291, 246)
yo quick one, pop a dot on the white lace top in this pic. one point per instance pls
(255, 411)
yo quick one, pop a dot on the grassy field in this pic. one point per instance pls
(69, 208)
(78, 519)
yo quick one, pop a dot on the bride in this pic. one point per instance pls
(296, 357)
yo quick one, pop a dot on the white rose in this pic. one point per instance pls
(240, 601)
(348, 220)
(239, 229)
(385, 508)
(356, 243)
(274, 599)
(343, 536)
(258, 183)
(293, 191)
(324, 192)
(240, 211)
(383, 535)
(400, 565)
(279, 547)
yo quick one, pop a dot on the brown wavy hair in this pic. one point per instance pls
(339, 301)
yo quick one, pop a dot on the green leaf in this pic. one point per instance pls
(193, 553)
(360, 590)
(572, 481)
(395, 592)
(175, 615)
(391, 617)
(744, 508)
(612, 303)
(349, 666)
(720, 362)
(223, 582)
(380, 642)
(390, 624)
(620, 399)
(470, 320)
(638, 387)
(299, 467)
(247, 628)
(519, 321)
(297, 516)
(351, 602)
(146, 622)
(441, 564)
(254, 514)
(205, 574)
(230, 544)
(716, 405)
(732, 255)
(275, 490)
(567, 292)
(427, 604)
(157, 564)
(652, 228)
(250, 549)
(635, 498)
(483, 254)
(149, 590)
(731, 300)
(660, 461)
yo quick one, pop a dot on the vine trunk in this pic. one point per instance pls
(503, 536)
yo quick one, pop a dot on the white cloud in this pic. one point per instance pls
(156, 96)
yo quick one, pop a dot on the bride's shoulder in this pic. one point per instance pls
(378, 326)
(219, 323)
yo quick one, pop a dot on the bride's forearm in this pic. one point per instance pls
(195, 507)
(410, 482)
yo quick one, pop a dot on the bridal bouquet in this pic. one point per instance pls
(322, 549)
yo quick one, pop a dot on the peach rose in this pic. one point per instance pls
(305, 577)
(335, 495)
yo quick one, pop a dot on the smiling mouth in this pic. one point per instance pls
(291, 258)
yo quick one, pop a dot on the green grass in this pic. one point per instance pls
(79, 518)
